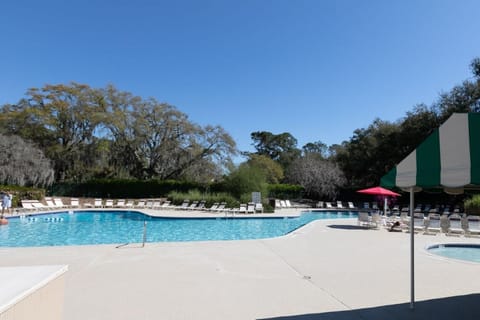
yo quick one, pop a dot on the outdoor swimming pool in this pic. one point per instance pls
(118, 227)
(460, 251)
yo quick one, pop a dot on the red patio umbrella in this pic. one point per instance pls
(379, 191)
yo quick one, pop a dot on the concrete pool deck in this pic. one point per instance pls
(329, 269)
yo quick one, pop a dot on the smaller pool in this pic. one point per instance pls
(460, 251)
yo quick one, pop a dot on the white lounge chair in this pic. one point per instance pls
(473, 225)
(184, 205)
(258, 207)
(149, 204)
(214, 206)
(396, 209)
(120, 203)
(59, 203)
(418, 221)
(140, 204)
(200, 206)
(98, 203)
(74, 203)
(363, 219)
(433, 223)
(193, 205)
(40, 206)
(455, 224)
(340, 205)
(156, 204)
(375, 219)
(278, 205)
(351, 205)
(251, 207)
(288, 204)
(418, 208)
(243, 208)
(402, 218)
(220, 207)
(50, 204)
(130, 204)
(166, 205)
(27, 205)
(328, 205)
(109, 203)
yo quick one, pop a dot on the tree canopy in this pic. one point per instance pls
(90, 132)
(272, 170)
(319, 177)
(23, 164)
(279, 147)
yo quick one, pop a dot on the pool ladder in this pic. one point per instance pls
(144, 239)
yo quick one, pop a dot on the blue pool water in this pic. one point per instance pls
(467, 252)
(117, 227)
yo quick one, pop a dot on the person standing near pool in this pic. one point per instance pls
(6, 202)
(9, 203)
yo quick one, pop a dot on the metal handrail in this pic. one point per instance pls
(143, 240)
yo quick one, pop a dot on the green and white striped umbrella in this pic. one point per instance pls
(449, 158)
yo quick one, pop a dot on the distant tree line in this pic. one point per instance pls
(75, 133)
(368, 154)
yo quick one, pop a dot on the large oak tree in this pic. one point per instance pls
(90, 132)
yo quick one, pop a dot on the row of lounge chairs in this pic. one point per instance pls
(283, 204)
(201, 206)
(51, 204)
(426, 209)
(450, 224)
(394, 210)
(337, 205)
(57, 203)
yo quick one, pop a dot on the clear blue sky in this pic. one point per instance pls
(318, 69)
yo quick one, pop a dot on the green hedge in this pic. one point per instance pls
(285, 191)
(209, 198)
(122, 188)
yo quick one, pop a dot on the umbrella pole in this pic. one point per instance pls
(412, 261)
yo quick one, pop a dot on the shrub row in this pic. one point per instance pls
(125, 188)
(122, 188)
(209, 198)
(285, 191)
